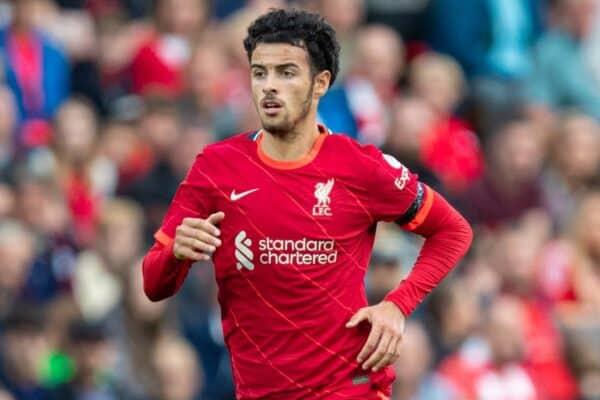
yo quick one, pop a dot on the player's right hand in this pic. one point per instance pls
(196, 238)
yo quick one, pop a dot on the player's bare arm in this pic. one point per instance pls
(196, 238)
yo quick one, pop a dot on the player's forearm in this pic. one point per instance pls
(163, 273)
(448, 237)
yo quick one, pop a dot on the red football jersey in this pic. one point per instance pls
(297, 238)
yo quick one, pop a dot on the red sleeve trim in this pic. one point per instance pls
(422, 213)
(163, 238)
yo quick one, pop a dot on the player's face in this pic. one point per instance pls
(283, 87)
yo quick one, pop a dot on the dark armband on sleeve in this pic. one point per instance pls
(416, 213)
(414, 208)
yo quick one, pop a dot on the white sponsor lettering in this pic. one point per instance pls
(271, 251)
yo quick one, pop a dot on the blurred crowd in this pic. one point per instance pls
(105, 103)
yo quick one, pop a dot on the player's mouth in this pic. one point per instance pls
(271, 107)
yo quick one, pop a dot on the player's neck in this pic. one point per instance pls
(293, 146)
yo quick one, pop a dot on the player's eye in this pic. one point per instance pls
(257, 73)
(288, 74)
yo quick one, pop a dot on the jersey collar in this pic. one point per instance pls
(278, 164)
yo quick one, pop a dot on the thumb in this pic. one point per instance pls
(361, 315)
(215, 218)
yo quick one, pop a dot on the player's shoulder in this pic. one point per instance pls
(347, 146)
(238, 142)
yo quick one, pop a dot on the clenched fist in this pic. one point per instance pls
(196, 238)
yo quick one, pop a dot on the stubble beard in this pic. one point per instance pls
(286, 129)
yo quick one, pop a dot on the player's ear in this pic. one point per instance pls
(322, 80)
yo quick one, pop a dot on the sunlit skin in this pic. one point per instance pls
(286, 94)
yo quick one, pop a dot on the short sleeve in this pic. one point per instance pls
(395, 193)
(193, 199)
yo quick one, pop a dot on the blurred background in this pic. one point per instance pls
(105, 103)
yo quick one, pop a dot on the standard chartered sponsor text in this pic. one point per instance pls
(298, 252)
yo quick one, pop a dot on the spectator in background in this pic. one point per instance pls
(101, 273)
(159, 129)
(92, 353)
(216, 95)
(41, 205)
(562, 77)
(414, 381)
(17, 254)
(491, 40)
(584, 355)
(36, 71)
(406, 17)
(124, 147)
(511, 184)
(175, 148)
(345, 16)
(574, 165)
(119, 40)
(24, 348)
(409, 122)
(237, 96)
(139, 323)
(448, 146)
(74, 30)
(569, 267)
(384, 274)
(359, 107)
(86, 178)
(513, 257)
(453, 315)
(500, 371)
(7, 134)
(233, 32)
(178, 373)
(59, 368)
(158, 67)
(7, 200)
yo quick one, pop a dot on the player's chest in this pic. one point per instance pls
(285, 204)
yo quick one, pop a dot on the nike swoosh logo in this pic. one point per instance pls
(236, 196)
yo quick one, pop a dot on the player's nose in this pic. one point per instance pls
(270, 86)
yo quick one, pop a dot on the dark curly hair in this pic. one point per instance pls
(299, 28)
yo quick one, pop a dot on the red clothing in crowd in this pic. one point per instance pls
(473, 377)
(158, 66)
(544, 357)
(451, 150)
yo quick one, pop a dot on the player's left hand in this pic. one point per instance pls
(387, 328)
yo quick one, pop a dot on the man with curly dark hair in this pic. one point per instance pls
(293, 35)
(288, 215)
